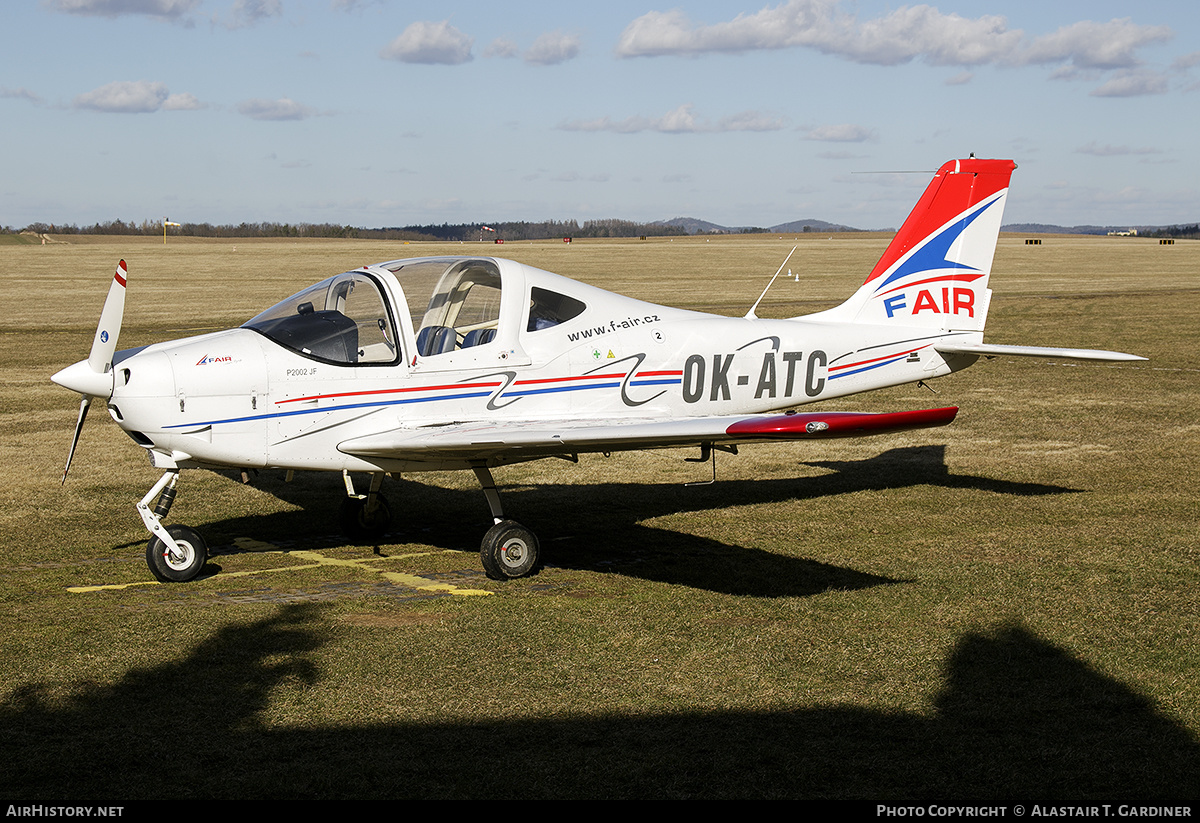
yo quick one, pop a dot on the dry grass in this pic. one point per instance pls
(1002, 608)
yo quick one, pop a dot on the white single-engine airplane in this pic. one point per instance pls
(474, 362)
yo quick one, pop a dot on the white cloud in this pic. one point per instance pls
(248, 12)
(136, 97)
(1187, 61)
(923, 31)
(1091, 45)
(1132, 83)
(553, 48)
(960, 79)
(182, 102)
(281, 109)
(749, 121)
(840, 133)
(353, 5)
(426, 42)
(681, 120)
(166, 9)
(20, 94)
(909, 33)
(1106, 150)
(125, 97)
(503, 48)
(576, 177)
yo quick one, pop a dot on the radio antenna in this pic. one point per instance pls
(750, 315)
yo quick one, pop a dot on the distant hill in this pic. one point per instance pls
(694, 225)
(811, 225)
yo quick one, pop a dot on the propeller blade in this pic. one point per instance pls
(109, 327)
(92, 377)
(84, 405)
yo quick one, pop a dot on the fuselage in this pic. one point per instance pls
(412, 344)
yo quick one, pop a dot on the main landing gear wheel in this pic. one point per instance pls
(170, 567)
(359, 524)
(509, 550)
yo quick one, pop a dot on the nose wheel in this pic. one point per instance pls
(180, 563)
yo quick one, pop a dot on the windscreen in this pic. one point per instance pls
(344, 320)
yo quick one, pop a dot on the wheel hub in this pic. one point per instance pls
(182, 559)
(514, 553)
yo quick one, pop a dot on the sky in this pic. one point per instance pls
(381, 113)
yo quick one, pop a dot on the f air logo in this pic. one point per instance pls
(953, 301)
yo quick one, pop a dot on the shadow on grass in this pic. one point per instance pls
(600, 526)
(1018, 720)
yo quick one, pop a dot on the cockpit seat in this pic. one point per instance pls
(477, 337)
(436, 340)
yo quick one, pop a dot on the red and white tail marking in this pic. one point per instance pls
(934, 274)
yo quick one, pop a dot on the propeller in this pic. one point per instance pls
(93, 377)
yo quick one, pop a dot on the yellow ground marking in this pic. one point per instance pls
(317, 559)
(83, 589)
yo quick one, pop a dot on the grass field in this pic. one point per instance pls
(1004, 609)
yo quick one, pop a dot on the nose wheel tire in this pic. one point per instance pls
(180, 567)
(509, 550)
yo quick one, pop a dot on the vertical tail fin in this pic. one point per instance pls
(935, 271)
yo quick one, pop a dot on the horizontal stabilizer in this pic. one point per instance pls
(988, 350)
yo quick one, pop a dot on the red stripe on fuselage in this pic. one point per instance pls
(390, 391)
(875, 359)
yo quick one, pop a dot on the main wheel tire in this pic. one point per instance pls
(509, 550)
(358, 525)
(180, 568)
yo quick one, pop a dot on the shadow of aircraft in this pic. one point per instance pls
(601, 526)
(1018, 720)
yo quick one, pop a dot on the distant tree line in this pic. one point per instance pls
(1192, 232)
(545, 230)
(521, 230)
(155, 227)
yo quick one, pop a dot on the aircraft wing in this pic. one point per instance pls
(515, 440)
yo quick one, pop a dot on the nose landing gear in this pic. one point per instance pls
(365, 517)
(175, 554)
